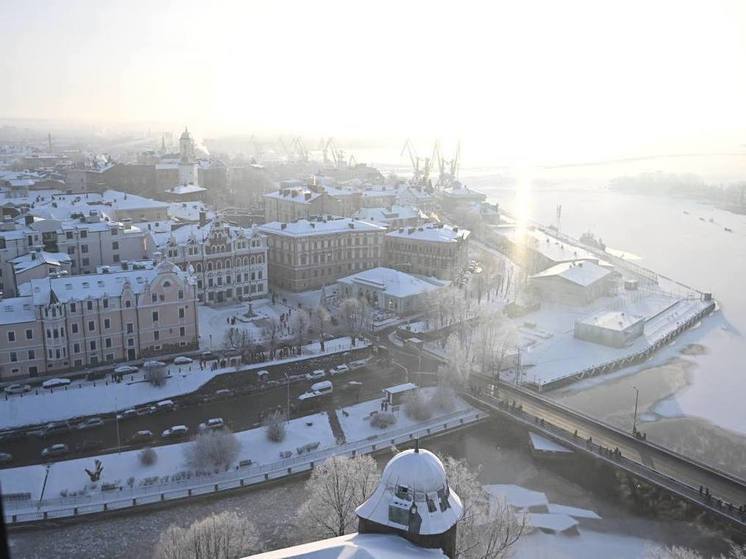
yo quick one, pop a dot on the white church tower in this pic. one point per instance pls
(187, 165)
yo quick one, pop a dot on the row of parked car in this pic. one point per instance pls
(337, 370)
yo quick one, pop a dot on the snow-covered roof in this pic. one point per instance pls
(459, 191)
(393, 282)
(183, 189)
(96, 286)
(517, 497)
(434, 232)
(612, 320)
(297, 194)
(306, 227)
(16, 310)
(581, 272)
(547, 245)
(188, 211)
(546, 445)
(196, 233)
(552, 522)
(399, 388)
(386, 215)
(34, 259)
(414, 482)
(355, 546)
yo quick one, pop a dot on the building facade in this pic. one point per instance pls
(229, 263)
(437, 250)
(307, 254)
(59, 324)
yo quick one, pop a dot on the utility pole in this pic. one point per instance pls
(634, 419)
(287, 408)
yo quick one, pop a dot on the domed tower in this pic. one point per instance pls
(414, 501)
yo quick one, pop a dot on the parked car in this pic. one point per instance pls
(143, 436)
(90, 423)
(182, 360)
(17, 388)
(262, 376)
(315, 375)
(127, 414)
(87, 446)
(5, 457)
(125, 370)
(55, 450)
(147, 410)
(359, 364)
(55, 382)
(165, 405)
(323, 387)
(340, 369)
(153, 364)
(175, 432)
(95, 375)
(212, 424)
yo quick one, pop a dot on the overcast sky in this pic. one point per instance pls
(563, 77)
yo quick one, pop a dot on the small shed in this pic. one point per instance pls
(611, 328)
(395, 394)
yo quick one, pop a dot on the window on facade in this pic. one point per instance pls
(31, 354)
(29, 334)
(89, 305)
(181, 293)
(83, 234)
(108, 342)
(11, 336)
(182, 331)
(91, 325)
(84, 248)
(130, 328)
(76, 348)
(115, 245)
(181, 313)
(13, 356)
(106, 303)
(73, 307)
(75, 327)
(156, 335)
(107, 323)
(154, 297)
(93, 345)
(155, 316)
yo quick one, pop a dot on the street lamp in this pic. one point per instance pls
(287, 409)
(634, 419)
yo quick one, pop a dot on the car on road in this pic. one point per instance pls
(17, 388)
(90, 423)
(340, 369)
(359, 364)
(55, 450)
(175, 432)
(55, 382)
(262, 376)
(213, 424)
(127, 414)
(125, 370)
(87, 446)
(323, 387)
(147, 410)
(5, 457)
(143, 436)
(315, 375)
(54, 428)
(224, 393)
(182, 360)
(165, 405)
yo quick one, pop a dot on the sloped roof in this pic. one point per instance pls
(579, 272)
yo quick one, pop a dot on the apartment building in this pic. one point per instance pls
(309, 253)
(437, 250)
(229, 263)
(296, 200)
(64, 323)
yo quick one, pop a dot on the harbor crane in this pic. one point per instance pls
(420, 165)
(447, 168)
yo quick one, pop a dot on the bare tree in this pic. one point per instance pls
(301, 322)
(212, 449)
(417, 407)
(484, 532)
(219, 536)
(676, 552)
(335, 489)
(275, 427)
(353, 313)
(320, 319)
(157, 375)
(271, 331)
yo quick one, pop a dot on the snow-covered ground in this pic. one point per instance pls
(67, 483)
(87, 398)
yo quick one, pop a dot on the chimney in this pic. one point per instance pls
(28, 219)
(202, 218)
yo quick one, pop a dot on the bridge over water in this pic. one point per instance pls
(706, 487)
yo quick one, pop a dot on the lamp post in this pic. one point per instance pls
(634, 419)
(287, 409)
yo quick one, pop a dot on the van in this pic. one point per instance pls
(324, 387)
(165, 405)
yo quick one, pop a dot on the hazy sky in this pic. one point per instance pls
(567, 78)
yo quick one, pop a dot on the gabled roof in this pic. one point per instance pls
(579, 272)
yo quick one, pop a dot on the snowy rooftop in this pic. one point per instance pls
(518, 497)
(386, 215)
(399, 388)
(184, 189)
(548, 246)
(459, 191)
(76, 288)
(612, 320)
(434, 232)
(34, 259)
(583, 272)
(394, 282)
(298, 194)
(355, 546)
(305, 227)
(196, 233)
(188, 211)
(16, 310)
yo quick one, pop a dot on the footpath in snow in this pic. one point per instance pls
(65, 487)
(86, 398)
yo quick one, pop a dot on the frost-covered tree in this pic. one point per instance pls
(271, 331)
(483, 533)
(353, 313)
(274, 425)
(300, 322)
(677, 552)
(219, 536)
(212, 449)
(335, 489)
(443, 398)
(417, 407)
(320, 319)
(156, 375)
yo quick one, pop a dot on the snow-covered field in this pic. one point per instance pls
(87, 398)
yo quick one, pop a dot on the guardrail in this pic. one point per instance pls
(61, 508)
(729, 511)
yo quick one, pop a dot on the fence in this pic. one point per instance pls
(68, 507)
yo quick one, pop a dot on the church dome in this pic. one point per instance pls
(413, 495)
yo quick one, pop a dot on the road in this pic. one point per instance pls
(659, 465)
(241, 411)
